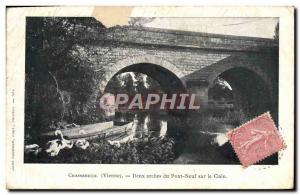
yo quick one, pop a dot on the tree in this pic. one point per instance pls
(276, 32)
(58, 79)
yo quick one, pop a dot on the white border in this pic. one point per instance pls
(288, 81)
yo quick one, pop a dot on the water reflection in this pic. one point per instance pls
(145, 125)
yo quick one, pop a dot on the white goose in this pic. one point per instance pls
(82, 143)
(54, 146)
(32, 149)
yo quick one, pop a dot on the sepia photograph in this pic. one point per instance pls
(137, 97)
(72, 62)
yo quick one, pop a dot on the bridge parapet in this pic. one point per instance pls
(186, 39)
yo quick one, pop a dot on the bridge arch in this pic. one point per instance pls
(251, 87)
(169, 77)
(250, 91)
(160, 69)
(219, 69)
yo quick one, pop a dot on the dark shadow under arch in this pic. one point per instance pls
(250, 92)
(168, 81)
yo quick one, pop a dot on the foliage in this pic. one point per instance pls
(132, 83)
(221, 90)
(59, 78)
(276, 32)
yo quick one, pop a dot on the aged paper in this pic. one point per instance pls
(146, 97)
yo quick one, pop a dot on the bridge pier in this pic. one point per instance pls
(200, 88)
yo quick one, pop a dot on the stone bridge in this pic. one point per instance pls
(190, 61)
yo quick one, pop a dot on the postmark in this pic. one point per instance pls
(256, 140)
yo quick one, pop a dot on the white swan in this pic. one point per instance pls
(32, 149)
(54, 146)
(82, 143)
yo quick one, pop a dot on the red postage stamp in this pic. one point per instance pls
(256, 140)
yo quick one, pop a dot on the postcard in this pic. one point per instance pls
(189, 98)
